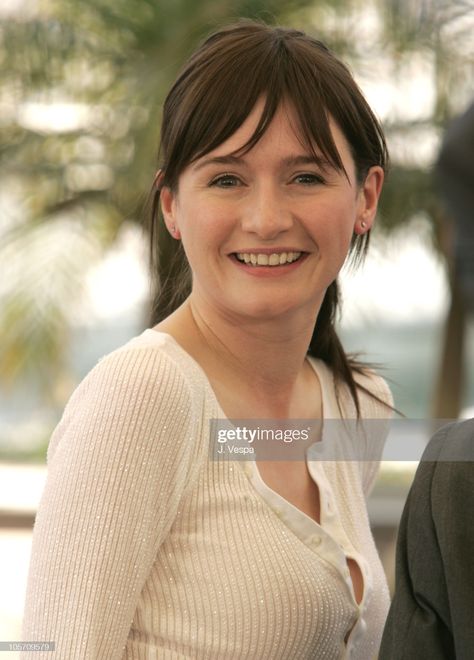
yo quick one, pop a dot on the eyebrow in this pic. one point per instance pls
(289, 161)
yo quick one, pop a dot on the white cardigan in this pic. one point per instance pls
(145, 547)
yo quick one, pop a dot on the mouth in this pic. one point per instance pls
(272, 260)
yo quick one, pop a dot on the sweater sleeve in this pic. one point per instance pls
(119, 462)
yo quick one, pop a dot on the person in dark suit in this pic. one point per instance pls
(431, 613)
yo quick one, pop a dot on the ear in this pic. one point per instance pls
(168, 204)
(369, 194)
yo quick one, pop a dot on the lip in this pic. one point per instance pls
(269, 271)
(273, 250)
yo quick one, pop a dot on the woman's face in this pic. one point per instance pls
(240, 216)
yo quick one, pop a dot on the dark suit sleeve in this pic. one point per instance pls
(452, 496)
(431, 612)
(418, 623)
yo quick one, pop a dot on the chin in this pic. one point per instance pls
(259, 310)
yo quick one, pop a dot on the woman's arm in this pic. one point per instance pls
(118, 464)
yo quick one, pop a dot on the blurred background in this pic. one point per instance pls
(81, 88)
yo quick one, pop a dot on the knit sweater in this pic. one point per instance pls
(145, 547)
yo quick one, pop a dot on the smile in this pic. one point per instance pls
(274, 259)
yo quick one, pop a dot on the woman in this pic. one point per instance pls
(144, 545)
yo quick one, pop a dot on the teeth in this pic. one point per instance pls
(268, 260)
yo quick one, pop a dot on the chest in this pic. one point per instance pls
(238, 546)
(292, 481)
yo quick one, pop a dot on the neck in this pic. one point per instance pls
(265, 360)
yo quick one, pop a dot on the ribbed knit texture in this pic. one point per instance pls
(145, 548)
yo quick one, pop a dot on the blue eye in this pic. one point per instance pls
(308, 179)
(225, 181)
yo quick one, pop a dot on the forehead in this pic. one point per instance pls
(284, 134)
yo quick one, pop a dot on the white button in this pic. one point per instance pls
(316, 541)
(362, 626)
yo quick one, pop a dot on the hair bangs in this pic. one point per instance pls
(220, 107)
(313, 129)
(309, 99)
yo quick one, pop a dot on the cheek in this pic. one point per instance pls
(206, 221)
(203, 231)
(334, 225)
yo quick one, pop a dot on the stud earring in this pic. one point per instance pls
(363, 224)
(175, 232)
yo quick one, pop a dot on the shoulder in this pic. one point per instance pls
(144, 364)
(376, 399)
(141, 384)
(373, 392)
(452, 442)
(447, 461)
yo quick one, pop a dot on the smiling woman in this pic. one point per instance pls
(145, 542)
(264, 204)
(239, 79)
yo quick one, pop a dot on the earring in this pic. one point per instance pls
(175, 232)
(363, 224)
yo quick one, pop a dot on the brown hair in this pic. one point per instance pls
(213, 95)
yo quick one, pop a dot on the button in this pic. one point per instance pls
(316, 541)
(362, 627)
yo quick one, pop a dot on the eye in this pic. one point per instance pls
(308, 179)
(226, 181)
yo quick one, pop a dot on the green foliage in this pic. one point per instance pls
(112, 62)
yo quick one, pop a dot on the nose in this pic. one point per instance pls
(266, 214)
